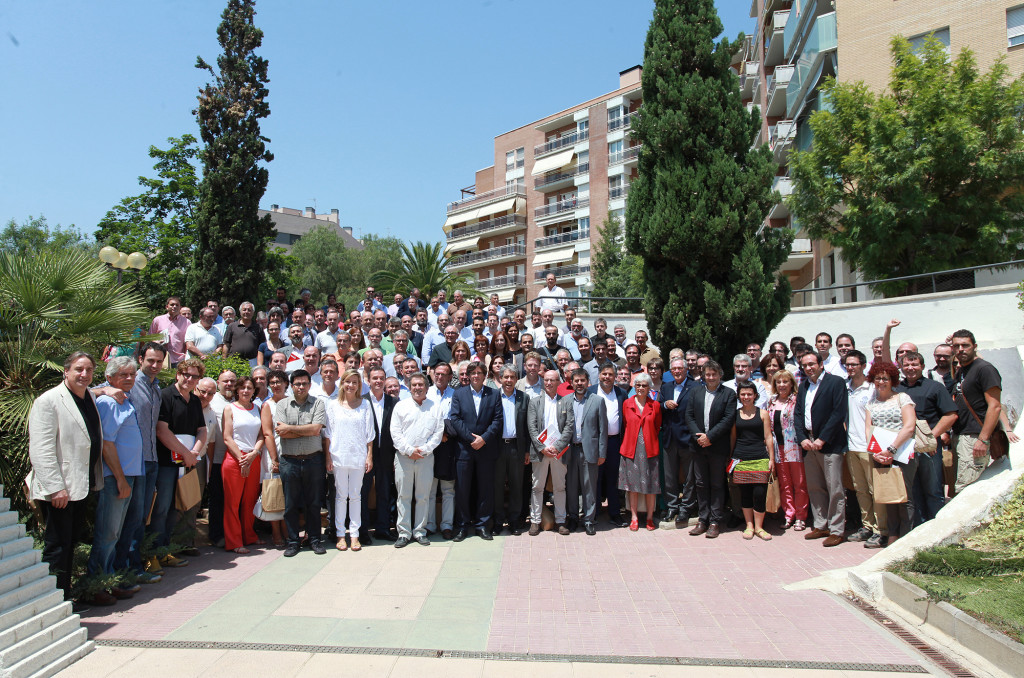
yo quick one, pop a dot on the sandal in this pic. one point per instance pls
(633, 526)
(650, 524)
(241, 549)
(341, 545)
(799, 525)
(763, 535)
(356, 546)
(748, 533)
(788, 524)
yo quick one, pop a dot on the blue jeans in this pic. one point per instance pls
(302, 479)
(929, 493)
(126, 554)
(164, 519)
(138, 533)
(110, 514)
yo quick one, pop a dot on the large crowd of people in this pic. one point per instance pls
(462, 418)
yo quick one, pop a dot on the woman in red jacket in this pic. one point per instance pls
(638, 469)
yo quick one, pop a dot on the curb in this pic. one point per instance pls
(1004, 653)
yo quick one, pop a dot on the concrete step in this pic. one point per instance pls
(5, 504)
(45, 601)
(44, 636)
(8, 517)
(17, 546)
(18, 561)
(53, 653)
(20, 578)
(27, 592)
(65, 661)
(11, 532)
(29, 627)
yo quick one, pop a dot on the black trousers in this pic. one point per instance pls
(676, 457)
(474, 471)
(302, 479)
(709, 478)
(508, 468)
(63, 532)
(382, 477)
(215, 496)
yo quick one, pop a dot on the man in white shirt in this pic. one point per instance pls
(498, 308)
(860, 391)
(531, 383)
(215, 486)
(552, 297)
(547, 319)
(416, 429)
(550, 423)
(203, 339)
(831, 363)
(741, 366)
(327, 388)
(433, 337)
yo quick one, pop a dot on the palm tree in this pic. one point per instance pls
(52, 303)
(423, 266)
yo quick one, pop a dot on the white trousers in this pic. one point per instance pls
(413, 477)
(348, 483)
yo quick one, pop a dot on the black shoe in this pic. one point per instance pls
(517, 529)
(318, 548)
(384, 536)
(572, 524)
(863, 534)
(589, 527)
(617, 521)
(191, 552)
(421, 540)
(484, 533)
(682, 520)
(446, 534)
(460, 535)
(292, 550)
(498, 528)
(401, 543)
(669, 516)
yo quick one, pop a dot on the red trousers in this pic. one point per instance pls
(793, 489)
(240, 496)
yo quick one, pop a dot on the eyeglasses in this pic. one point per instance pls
(189, 375)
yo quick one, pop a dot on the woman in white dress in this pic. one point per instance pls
(350, 436)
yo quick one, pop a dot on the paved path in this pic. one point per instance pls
(617, 595)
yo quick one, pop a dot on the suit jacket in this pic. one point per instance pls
(535, 425)
(620, 395)
(384, 450)
(467, 423)
(594, 429)
(673, 422)
(59, 446)
(522, 405)
(721, 419)
(828, 414)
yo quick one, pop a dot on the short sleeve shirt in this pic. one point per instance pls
(121, 427)
(183, 418)
(931, 399)
(290, 412)
(971, 383)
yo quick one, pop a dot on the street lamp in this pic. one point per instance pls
(120, 261)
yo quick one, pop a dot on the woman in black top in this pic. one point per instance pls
(753, 460)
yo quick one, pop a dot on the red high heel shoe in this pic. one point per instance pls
(633, 526)
(650, 524)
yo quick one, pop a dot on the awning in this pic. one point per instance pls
(505, 294)
(494, 208)
(462, 244)
(550, 257)
(456, 219)
(553, 162)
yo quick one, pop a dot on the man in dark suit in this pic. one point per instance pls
(819, 420)
(675, 450)
(608, 472)
(513, 454)
(411, 304)
(710, 415)
(476, 415)
(587, 451)
(383, 474)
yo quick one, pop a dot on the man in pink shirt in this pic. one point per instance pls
(173, 326)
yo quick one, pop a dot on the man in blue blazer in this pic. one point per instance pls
(675, 450)
(710, 415)
(477, 417)
(608, 472)
(820, 422)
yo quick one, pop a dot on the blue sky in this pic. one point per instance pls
(380, 109)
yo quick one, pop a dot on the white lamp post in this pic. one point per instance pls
(121, 261)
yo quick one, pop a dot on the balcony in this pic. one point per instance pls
(783, 133)
(622, 122)
(799, 254)
(777, 91)
(821, 40)
(784, 185)
(570, 271)
(559, 143)
(618, 192)
(627, 156)
(556, 208)
(517, 190)
(774, 39)
(748, 78)
(512, 222)
(492, 255)
(560, 179)
(501, 281)
(561, 239)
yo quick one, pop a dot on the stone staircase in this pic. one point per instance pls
(39, 634)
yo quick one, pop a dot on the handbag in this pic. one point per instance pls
(998, 443)
(924, 440)
(272, 495)
(887, 486)
(773, 499)
(187, 494)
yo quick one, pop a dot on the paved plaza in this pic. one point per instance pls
(691, 605)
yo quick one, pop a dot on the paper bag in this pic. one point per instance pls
(773, 500)
(888, 486)
(187, 493)
(273, 495)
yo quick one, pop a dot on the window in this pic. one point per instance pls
(1015, 26)
(583, 224)
(941, 34)
(510, 160)
(583, 158)
(614, 182)
(582, 128)
(520, 156)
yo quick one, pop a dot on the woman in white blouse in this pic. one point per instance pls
(350, 436)
(243, 438)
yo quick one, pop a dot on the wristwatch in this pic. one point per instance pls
(986, 443)
(891, 450)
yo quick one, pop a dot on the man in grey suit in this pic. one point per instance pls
(550, 423)
(586, 452)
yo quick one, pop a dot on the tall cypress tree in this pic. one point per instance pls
(702, 193)
(231, 242)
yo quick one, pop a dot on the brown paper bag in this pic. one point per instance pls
(888, 486)
(273, 495)
(187, 493)
(773, 500)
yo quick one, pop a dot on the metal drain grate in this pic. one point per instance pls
(517, 656)
(945, 663)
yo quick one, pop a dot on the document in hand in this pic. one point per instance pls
(882, 438)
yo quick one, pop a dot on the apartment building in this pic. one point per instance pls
(530, 213)
(292, 224)
(798, 43)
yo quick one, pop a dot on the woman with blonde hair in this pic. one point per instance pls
(789, 460)
(350, 434)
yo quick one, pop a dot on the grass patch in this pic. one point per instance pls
(984, 576)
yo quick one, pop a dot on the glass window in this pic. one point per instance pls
(1015, 26)
(941, 34)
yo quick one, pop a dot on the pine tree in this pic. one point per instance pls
(617, 273)
(231, 242)
(702, 193)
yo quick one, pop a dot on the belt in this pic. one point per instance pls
(509, 440)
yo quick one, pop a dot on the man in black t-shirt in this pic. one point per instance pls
(977, 386)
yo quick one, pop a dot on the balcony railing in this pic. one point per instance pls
(554, 208)
(622, 122)
(562, 271)
(557, 177)
(619, 157)
(560, 142)
(501, 252)
(513, 190)
(489, 225)
(618, 192)
(501, 281)
(562, 238)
